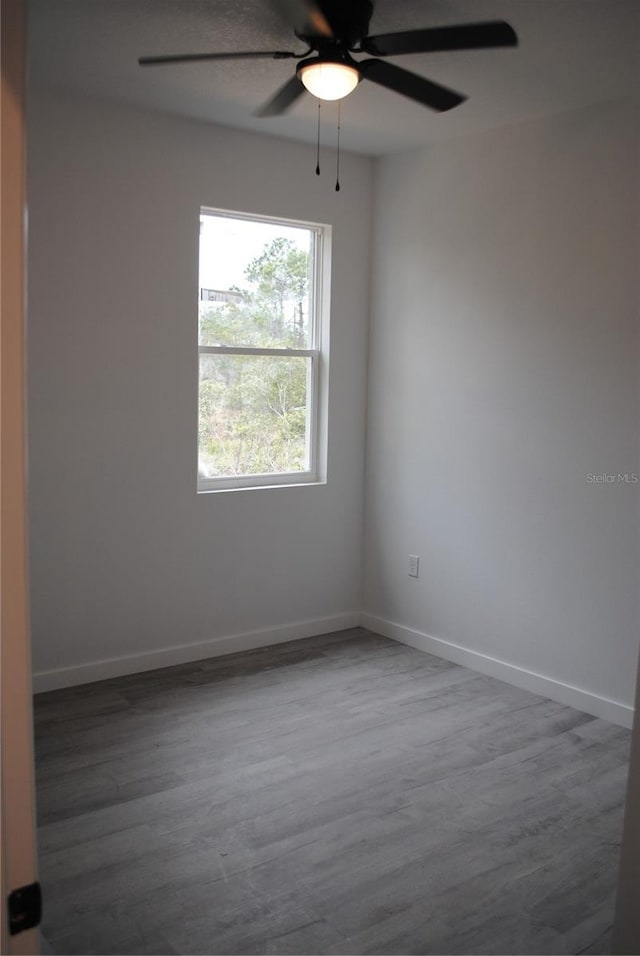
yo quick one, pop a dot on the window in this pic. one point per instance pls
(262, 387)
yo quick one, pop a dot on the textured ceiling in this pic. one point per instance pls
(572, 53)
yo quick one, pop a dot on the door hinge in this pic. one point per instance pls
(25, 908)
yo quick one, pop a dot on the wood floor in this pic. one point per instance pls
(342, 794)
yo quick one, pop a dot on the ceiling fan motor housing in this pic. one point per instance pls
(328, 55)
(349, 22)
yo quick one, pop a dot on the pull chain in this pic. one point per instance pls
(338, 154)
(318, 149)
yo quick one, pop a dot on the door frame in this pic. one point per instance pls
(19, 856)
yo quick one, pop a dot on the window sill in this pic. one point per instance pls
(311, 483)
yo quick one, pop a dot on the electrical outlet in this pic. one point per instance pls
(414, 565)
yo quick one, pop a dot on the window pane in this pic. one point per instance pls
(255, 283)
(253, 415)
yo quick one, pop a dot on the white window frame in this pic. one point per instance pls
(317, 386)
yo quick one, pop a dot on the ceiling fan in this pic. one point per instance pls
(333, 30)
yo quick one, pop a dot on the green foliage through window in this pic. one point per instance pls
(253, 413)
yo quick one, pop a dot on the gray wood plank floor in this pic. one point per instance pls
(342, 794)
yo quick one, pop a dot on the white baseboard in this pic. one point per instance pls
(590, 703)
(181, 654)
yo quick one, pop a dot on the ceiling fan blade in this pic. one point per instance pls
(195, 57)
(410, 84)
(283, 99)
(306, 17)
(464, 36)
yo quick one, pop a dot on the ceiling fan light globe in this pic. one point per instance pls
(329, 81)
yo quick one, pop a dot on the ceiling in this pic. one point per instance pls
(572, 53)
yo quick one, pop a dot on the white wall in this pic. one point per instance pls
(126, 559)
(504, 369)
